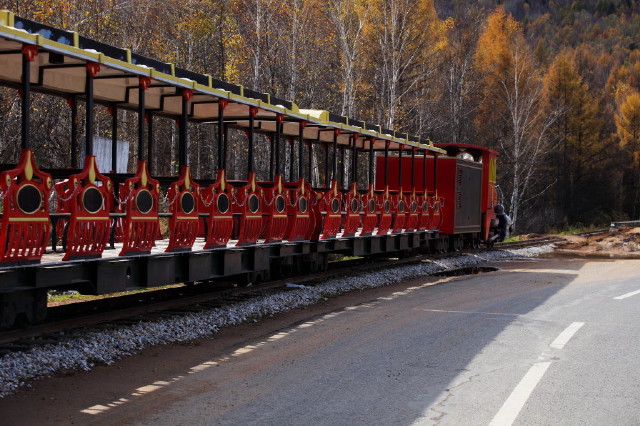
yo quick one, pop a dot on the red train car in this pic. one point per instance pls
(460, 185)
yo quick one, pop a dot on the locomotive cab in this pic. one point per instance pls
(471, 171)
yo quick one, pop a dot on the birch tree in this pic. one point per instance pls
(512, 90)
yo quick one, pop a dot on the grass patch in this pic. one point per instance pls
(63, 297)
(577, 229)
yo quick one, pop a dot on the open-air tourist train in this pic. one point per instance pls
(98, 231)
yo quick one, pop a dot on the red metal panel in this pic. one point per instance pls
(87, 197)
(276, 208)
(370, 216)
(217, 202)
(330, 205)
(183, 222)
(438, 212)
(413, 212)
(385, 210)
(392, 173)
(249, 202)
(352, 205)
(139, 198)
(301, 218)
(400, 209)
(24, 192)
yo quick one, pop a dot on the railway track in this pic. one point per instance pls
(67, 321)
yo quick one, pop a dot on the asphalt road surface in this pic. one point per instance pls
(550, 341)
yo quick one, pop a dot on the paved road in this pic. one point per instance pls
(544, 342)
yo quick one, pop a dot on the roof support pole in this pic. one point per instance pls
(29, 53)
(413, 168)
(222, 104)
(336, 133)
(271, 156)
(371, 161)
(143, 84)
(400, 166)
(73, 103)
(386, 162)
(326, 165)
(92, 69)
(149, 118)
(435, 172)
(291, 152)
(114, 138)
(342, 171)
(424, 170)
(183, 138)
(354, 158)
(225, 147)
(276, 142)
(253, 111)
(310, 147)
(301, 127)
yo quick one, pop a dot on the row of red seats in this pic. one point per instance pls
(247, 211)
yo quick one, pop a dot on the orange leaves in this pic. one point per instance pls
(628, 121)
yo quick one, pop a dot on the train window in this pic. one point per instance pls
(92, 200)
(144, 201)
(223, 203)
(280, 204)
(302, 205)
(464, 155)
(354, 205)
(254, 203)
(29, 199)
(187, 202)
(401, 206)
(387, 206)
(372, 206)
(335, 205)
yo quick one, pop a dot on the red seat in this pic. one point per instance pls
(437, 216)
(370, 216)
(248, 202)
(400, 210)
(217, 202)
(301, 219)
(24, 192)
(424, 219)
(277, 220)
(183, 222)
(139, 197)
(330, 204)
(413, 212)
(385, 209)
(352, 205)
(87, 197)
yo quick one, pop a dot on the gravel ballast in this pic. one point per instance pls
(93, 347)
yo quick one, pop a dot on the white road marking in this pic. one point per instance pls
(567, 334)
(512, 406)
(624, 296)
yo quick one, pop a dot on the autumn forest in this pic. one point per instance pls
(552, 85)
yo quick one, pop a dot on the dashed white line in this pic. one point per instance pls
(567, 334)
(513, 405)
(624, 296)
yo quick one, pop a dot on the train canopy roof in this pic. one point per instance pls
(60, 68)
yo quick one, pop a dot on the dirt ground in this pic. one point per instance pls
(624, 240)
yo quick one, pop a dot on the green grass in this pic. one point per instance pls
(59, 296)
(576, 229)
